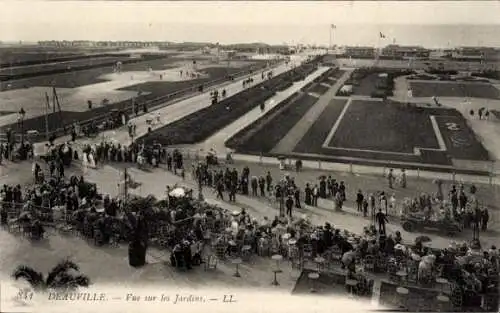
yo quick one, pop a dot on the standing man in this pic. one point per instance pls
(220, 187)
(381, 219)
(365, 207)
(289, 206)
(269, 181)
(390, 177)
(403, 178)
(297, 198)
(359, 200)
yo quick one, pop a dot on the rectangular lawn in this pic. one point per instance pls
(454, 89)
(385, 127)
(311, 143)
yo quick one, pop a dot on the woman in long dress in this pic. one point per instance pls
(91, 160)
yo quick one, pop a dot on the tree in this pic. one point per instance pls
(58, 278)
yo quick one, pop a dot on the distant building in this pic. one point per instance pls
(439, 54)
(405, 52)
(476, 54)
(360, 52)
(101, 44)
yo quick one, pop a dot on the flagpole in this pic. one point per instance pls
(330, 39)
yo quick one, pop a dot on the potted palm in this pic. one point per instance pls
(59, 277)
(138, 239)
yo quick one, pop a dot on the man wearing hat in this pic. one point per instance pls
(289, 205)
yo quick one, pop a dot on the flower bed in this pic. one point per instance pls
(269, 135)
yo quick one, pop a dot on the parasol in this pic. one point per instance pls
(348, 257)
(178, 193)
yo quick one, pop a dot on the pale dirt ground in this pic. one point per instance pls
(75, 99)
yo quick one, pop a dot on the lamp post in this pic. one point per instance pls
(282, 199)
(21, 116)
(199, 179)
(200, 188)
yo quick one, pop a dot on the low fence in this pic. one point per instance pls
(153, 104)
(448, 174)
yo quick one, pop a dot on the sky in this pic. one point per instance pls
(225, 22)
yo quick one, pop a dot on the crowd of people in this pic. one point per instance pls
(142, 155)
(201, 232)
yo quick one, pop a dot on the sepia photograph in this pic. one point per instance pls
(250, 156)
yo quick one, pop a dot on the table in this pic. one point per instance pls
(351, 283)
(443, 301)
(275, 281)
(443, 298)
(402, 276)
(277, 258)
(246, 252)
(320, 261)
(443, 282)
(402, 291)
(314, 277)
(237, 262)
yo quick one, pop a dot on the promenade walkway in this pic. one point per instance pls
(217, 141)
(293, 137)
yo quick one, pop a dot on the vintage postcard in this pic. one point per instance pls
(249, 156)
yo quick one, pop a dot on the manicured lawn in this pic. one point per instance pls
(314, 138)
(384, 126)
(319, 89)
(202, 124)
(268, 136)
(454, 89)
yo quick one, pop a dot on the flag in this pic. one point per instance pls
(381, 35)
(333, 26)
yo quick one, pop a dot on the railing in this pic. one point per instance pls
(153, 104)
(453, 174)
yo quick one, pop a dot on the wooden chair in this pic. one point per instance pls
(293, 252)
(381, 263)
(412, 273)
(275, 246)
(307, 253)
(220, 251)
(392, 269)
(369, 263)
(456, 297)
(335, 255)
(263, 248)
(14, 226)
(211, 262)
(246, 253)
